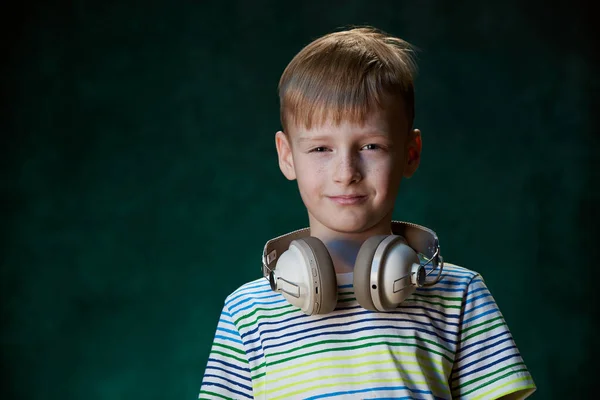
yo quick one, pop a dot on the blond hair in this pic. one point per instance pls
(346, 75)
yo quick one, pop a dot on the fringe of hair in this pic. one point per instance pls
(344, 76)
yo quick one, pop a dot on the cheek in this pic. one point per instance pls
(309, 174)
(385, 178)
(383, 171)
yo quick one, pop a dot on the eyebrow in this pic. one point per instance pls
(302, 139)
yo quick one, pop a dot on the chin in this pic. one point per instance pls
(347, 225)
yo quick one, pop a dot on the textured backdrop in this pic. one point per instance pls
(140, 178)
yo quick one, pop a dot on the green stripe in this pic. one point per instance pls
(242, 360)
(437, 296)
(418, 358)
(346, 300)
(490, 374)
(513, 389)
(261, 309)
(414, 379)
(212, 394)
(494, 380)
(482, 331)
(401, 357)
(258, 376)
(230, 348)
(481, 324)
(438, 381)
(333, 341)
(265, 316)
(435, 303)
(362, 346)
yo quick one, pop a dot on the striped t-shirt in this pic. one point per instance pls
(445, 341)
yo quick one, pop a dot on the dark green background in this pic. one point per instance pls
(140, 179)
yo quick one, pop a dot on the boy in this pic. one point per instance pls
(347, 109)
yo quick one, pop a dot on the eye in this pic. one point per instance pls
(318, 150)
(373, 146)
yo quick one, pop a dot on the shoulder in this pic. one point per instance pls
(456, 277)
(249, 290)
(250, 297)
(455, 283)
(455, 270)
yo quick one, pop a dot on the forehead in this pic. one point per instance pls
(385, 123)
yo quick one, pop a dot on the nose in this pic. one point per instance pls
(347, 169)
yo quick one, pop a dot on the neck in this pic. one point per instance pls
(344, 246)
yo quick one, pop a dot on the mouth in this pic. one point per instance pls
(348, 200)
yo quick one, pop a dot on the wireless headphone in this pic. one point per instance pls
(387, 269)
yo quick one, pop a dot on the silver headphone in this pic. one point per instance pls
(387, 268)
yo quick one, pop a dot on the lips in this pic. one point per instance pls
(348, 196)
(348, 199)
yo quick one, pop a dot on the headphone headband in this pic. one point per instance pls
(420, 238)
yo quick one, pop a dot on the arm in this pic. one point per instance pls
(487, 363)
(227, 373)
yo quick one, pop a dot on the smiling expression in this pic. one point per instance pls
(349, 174)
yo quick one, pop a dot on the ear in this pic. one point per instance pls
(284, 153)
(414, 146)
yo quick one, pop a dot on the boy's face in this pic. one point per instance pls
(368, 161)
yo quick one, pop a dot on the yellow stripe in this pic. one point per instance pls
(320, 386)
(322, 377)
(441, 376)
(524, 378)
(440, 385)
(363, 355)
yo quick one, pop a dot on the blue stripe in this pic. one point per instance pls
(351, 331)
(249, 388)
(236, 333)
(485, 340)
(478, 306)
(228, 372)
(480, 359)
(300, 316)
(230, 365)
(493, 310)
(227, 388)
(433, 310)
(482, 349)
(226, 321)
(257, 303)
(252, 285)
(457, 268)
(404, 398)
(345, 286)
(453, 282)
(280, 324)
(442, 321)
(232, 298)
(348, 392)
(321, 328)
(491, 364)
(438, 289)
(332, 317)
(454, 271)
(249, 298)
(228, 338)
(471, 293)
(265, 332)
(256, 357)
(454, 274)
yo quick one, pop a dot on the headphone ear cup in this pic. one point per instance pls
(324, 277)
(362, 271)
